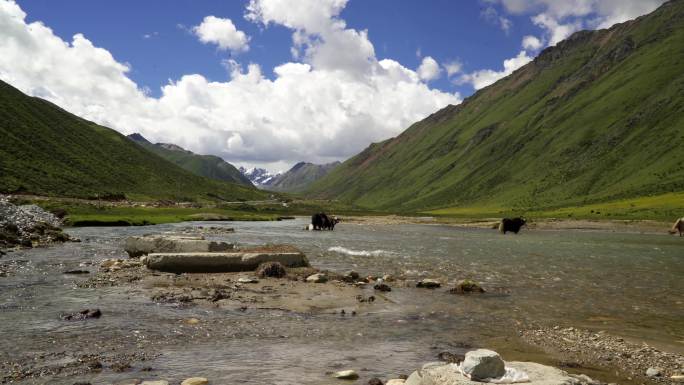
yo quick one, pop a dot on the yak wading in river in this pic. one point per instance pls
(511, 224)
(321, 221)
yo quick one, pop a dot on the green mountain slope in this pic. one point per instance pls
(300, 176)
(598, 117)
(208, 166)
(46, 150)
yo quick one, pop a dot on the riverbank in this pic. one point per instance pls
(614, 225)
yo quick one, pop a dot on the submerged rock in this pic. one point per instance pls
(382, 287)
(82, 315)
(467, 286)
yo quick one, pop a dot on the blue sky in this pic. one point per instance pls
(446, 30)
(270, 83)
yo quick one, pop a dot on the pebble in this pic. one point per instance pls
(192, 321)
(157, 382)
(317, 278)
(247, 280)
(195, 381)
(653, 372)
(395, 381)
(346, 375)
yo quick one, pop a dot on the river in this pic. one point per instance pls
(631, 285)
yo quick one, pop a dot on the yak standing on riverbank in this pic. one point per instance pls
(678, 227)
(511, 224)
(321, 221)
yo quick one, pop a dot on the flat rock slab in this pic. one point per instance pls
(220, 262)
(449, 375)
(139, 246)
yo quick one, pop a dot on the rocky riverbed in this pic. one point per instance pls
(28, 226)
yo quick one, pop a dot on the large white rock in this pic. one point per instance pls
(139, 246)
(449, 374)
(481, 364)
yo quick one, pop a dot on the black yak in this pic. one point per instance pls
(511, 224)
(321, 221)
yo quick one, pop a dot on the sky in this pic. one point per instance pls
(269, 83)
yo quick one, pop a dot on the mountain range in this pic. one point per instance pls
(46, 150)
(209, 166)
(596, 118)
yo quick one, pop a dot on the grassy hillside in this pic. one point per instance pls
(48, 151)
(300, 176)
(209, 166)
(597, 118)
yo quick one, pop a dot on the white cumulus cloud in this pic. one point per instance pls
(531, 43)
(429, 69)
(483, 78)
(222, 32)
(327, 106)
(453, 67)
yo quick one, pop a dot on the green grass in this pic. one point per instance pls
(301, 176)
(80, 213)
(597, 118)
(45, 150)
(665, 207)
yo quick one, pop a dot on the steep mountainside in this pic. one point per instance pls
(300, 176)
(46, 150)
(209, 166)
(598, 117)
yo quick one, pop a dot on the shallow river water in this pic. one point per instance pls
(630, 285)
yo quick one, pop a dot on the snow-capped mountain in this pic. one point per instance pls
(259, 177)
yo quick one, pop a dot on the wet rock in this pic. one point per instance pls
(82, 315)
(654, 372)
(448, 375)
(192, 321)
(351, 277)
(317, 278)
(481, 364)
(346, 375)
(429, 283)
(466, 286)
(221, 262)
(271, 269)
(195, 381)
(76, 272)
(375, 381)
(677, 378)
(382, 287)
(450, 357)
(247, 280)
(139, 246)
